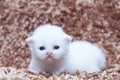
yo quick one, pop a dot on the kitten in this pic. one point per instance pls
(53, 52)
(49, 46)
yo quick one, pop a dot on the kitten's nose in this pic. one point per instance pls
(49, 53)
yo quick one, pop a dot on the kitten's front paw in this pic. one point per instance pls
(34, 69)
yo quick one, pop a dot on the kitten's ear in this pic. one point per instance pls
(68, 38)
(30, 41)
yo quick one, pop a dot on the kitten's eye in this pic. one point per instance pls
(56, 47)
(42, 48)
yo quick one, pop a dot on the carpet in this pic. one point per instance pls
(97, 21)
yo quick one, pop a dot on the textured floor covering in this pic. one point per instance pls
(97, 21)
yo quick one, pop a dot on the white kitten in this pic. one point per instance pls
(49, 46)
(84, 56)
(53, 52)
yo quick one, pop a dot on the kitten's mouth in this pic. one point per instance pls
(49, 57)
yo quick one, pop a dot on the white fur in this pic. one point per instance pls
(48, 36)
(84, 56)
(70, 57)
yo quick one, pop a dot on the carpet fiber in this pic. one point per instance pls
(97, 21)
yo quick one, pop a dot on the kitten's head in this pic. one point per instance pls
(49, 44)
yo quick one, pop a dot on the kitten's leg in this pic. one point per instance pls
(34, 68)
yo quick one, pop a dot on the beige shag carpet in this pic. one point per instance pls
(97, 21)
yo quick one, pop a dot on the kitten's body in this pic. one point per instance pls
(84, 56)
(53, 52)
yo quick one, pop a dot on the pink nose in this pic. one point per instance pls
(49, 53)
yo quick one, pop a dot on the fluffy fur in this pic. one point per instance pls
(53, 52)
(85, 56)
(50, 60)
